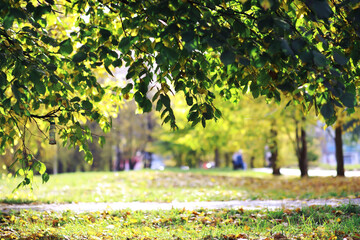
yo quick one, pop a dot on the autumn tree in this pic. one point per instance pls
(344, 123)
(246, 125)
(51, 52)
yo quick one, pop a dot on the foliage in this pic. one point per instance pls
(55, 55)
(168, 186)
(245, 125)
(316, 222)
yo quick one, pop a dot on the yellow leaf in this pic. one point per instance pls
(228, 221)
(246, 228)
(265, 4)
(146, 228)
(131, 220)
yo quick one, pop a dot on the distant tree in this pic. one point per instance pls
(301, 147)
(344, 123)
(246, 125)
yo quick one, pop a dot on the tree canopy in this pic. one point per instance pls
(55, 55)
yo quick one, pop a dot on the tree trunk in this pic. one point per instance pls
(301, 148)
(227, 159)
(55, 161)
(274, 151)
(132, 163)
(217, 158)
(252, 160)
(303, 161)
(339, 152)
(150, 127)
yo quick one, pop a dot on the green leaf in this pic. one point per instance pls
(51, 67)
(339, 57)
(203, 122)
(66, 47)
(42, 168)
(51, 2)
(159, 105)
(171, 54)
(139, 98)
(265, 23)
(255, 90)
(189, 100)
(147, 106)
(327, 110)
(319, 59)
(298, 44)
(3, 79)
(40, 87)
(87, 105)
(209, 114)
(218, 113)
(75, 99)
(193, 116)
(321, 8)
(167, 119)
(227, 57)
(286, 47)
(35, 77)
(45, 177)
(195, 122)
(348, 99)
(117, 63)
(127, 89)
(79, 57)
(130, 74)
(165, 100)
(187, 36)
(17, 13)
(164, 112)
(244, 61)
(105, 34)
(124, 44)
(101, 140)
(239, 27)
(108, 70)
(20, 172)
(8, 21)
(306, 57)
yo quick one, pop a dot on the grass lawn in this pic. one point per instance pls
(308, 223)
(176, 185)
(315, 222)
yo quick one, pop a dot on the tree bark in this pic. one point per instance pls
(274, 151)
(301, 149)
(303, 161)
(227, 159)
(217, 158)
(340, 171)
(252, 160)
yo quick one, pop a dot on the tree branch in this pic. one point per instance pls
(48, 115)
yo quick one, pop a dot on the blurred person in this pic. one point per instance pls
(238, 161)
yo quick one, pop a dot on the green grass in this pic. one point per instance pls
(175, 185)
(222, 172)
(317, 222)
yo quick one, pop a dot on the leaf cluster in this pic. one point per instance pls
(53, 55)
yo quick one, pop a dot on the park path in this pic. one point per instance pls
(246, 205)
(311, 172)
